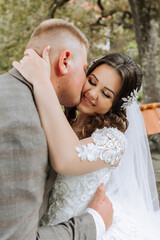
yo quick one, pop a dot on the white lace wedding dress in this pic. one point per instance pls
(71, 194)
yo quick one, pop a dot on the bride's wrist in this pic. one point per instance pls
(42, 85)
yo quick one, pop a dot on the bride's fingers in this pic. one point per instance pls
(16, 65)
(24, 59)
(19, 65)
(30, 52)
(45, 54)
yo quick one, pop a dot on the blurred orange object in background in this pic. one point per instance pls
(151, 116)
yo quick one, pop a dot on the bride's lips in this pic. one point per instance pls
(87, 101)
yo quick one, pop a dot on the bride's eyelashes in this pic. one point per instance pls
(106, 95)
(91, 82)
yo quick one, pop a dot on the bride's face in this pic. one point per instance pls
(100, 90)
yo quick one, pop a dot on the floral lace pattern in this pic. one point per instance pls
(109, 145)
(71, 194)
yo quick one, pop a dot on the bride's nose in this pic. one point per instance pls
(93, 94)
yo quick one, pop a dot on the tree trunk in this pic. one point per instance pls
(146, 17)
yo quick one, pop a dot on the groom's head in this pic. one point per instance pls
(68, 57)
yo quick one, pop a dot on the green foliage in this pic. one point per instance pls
(87, 16)
(18, 19)
(140, 97)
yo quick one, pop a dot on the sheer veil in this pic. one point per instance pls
(133, 183)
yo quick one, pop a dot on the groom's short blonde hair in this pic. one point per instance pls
(54, 26)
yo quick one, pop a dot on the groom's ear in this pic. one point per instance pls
(64, 62)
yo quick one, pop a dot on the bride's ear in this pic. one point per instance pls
(64, 62)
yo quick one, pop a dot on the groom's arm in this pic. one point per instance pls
(77, 228)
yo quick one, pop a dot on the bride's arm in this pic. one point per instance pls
(62, 140)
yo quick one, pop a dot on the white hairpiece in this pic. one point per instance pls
(130, 99)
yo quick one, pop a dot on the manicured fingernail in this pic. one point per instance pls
(48, 47)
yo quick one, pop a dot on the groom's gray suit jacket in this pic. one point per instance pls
(24, 170)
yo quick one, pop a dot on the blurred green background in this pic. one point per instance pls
(106, 30)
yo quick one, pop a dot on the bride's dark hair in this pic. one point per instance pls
(131, 77)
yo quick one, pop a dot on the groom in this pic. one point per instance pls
(25, 174)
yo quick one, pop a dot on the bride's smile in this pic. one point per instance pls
(100, 90)
(87, 100)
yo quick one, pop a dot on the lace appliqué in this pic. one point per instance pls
(109, 145)
(71, 195)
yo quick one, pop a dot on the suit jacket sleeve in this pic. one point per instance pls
(77, 228)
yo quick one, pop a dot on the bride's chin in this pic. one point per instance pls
(84, 110)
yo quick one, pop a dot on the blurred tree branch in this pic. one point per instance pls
(55, 5)
(104, 15)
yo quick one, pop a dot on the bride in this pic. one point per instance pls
(107, 129)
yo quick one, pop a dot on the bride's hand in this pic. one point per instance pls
(33, 68)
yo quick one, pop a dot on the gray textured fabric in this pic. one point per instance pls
(24, 169)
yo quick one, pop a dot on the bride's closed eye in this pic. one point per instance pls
(105, 94)
(91, 82)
